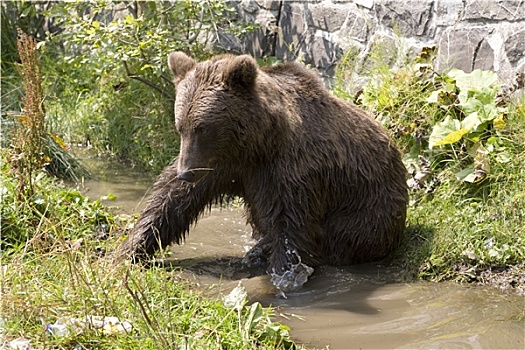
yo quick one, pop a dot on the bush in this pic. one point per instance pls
(44, 216)
(462, 136)
(110, 88)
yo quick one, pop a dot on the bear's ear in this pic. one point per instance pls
(240, 72)
(180, 64)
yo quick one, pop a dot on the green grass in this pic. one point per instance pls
(55, 268)
(459, 229)
(165, 313)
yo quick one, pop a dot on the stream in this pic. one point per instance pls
(355, 307)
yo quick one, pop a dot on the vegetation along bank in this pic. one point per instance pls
(463, 136)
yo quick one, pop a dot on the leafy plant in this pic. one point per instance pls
(112, 90)
(254, 320)
(478, 123)
(37, 219)
(463, 144)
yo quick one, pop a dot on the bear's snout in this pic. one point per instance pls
(193, 175)
(188, 176)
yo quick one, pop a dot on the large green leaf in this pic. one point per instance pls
(483, 103)
(447, 132)
(472, 121)
(477, 80)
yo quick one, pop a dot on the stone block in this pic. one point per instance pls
(321, 52)
(227, 42)
(383, 51)
(365, 3)
(515, 47)
(272, 5)
(327, 16)
(466, 49)
(509, 10)
(411, 18)
(293, 30)
(356, 27)
(254, 43)
(249, 6)
(483, 56)
(448, 13)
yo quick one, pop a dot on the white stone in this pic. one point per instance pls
(365, 3)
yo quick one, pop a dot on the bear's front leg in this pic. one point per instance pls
(174, 206)
(287, 269)
(288, 238)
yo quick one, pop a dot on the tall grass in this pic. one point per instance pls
(28, 139)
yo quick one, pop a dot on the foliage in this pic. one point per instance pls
(27, 17)
(459, 229)
(478, 123)
(49, 214)
(55, 269)
(455, 120)
(474, 93)
(112, 90)
(462, 136)
(137, 42)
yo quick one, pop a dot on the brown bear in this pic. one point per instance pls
(321, 181)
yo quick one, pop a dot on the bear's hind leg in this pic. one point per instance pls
(361, 237)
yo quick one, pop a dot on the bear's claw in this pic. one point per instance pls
(256, 257)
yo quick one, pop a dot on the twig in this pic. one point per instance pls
(145, 81)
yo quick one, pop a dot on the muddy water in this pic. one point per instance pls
(358, 307)
(108, 180)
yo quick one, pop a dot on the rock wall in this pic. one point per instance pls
(469, 34)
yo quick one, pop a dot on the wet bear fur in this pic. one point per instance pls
(322, 182)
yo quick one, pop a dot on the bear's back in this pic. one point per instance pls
(324, 116)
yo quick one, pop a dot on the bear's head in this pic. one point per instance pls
(216, 104)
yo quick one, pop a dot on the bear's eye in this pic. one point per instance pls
(200, 129)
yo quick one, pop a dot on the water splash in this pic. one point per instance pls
(294, 278)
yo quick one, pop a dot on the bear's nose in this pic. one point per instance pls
(193, 175)
(188, 176)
